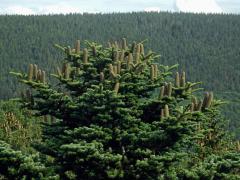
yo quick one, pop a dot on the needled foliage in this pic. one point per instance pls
(16, 165)
(206, 46)
(18, 127)
(120, 115)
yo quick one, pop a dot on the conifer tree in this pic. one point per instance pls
(17, 165)
(119, 115)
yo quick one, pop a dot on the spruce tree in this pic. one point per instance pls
(119, 115)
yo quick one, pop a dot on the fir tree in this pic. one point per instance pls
(16, 165)
(119, 115)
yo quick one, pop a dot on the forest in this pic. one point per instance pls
(207, 47)
(120, 96)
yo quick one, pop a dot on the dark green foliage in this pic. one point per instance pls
(16, 165)
(205, 46)
(112, 125)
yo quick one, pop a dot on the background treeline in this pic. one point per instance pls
(207, 47)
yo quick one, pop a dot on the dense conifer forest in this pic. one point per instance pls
(115, 113)
(207, 47)
(120, 96)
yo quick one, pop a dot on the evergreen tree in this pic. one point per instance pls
(205, 46)
(18, 127)
(120, 115)
(16, 165)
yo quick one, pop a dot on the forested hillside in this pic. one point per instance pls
(207, 47)
(103, 120)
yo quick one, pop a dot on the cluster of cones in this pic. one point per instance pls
(36, 74)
